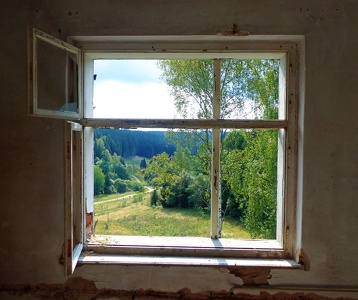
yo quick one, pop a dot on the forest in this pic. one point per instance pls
(177, 163)
(128, 143)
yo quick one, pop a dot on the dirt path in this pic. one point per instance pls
(149, 190)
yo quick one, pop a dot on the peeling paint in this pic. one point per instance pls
(252, 276)
(304, 260)
(89, 225)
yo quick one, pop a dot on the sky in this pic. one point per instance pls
(131, 89)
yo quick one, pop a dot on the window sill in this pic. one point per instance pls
(181, 242)
(186, 251)
(185, 247)
(91, 258)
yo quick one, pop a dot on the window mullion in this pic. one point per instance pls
(215, 164)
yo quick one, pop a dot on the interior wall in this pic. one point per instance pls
(31, 149)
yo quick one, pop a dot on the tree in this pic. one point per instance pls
(249, 88)
(99, 147)
(154, 198)
(108, 185)
(118, 168)
(143, 164)
(251, 174)
(99, 179)
(167, 174)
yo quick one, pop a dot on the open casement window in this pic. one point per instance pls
(54, 92)
(60, 96)
(73, 196)
(54, 68)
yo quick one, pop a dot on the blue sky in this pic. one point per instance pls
(130, 71)
(130, 89)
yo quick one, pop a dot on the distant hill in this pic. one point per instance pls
(128, 143)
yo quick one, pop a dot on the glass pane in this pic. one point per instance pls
(249, 183)
(57, 79)
(153, 89)
(249, 89)
(166, 89)
(152, 183)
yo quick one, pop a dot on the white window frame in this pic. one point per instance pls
(283, 252)
(74, 209)
(35, 36)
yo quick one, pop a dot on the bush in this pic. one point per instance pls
(120, 186)
(137, 186)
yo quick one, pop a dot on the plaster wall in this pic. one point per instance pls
(31, 149)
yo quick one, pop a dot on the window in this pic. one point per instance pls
(138, 89)
(219, 119)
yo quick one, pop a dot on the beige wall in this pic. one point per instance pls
(31, 149)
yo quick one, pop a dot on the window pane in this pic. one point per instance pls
(57, 75)
(249, 182)
(166, 89)
(157, 183)
(249, 89)
(153, 89)
(152, 183)
(131, 89)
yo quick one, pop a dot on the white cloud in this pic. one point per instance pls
(115, 99)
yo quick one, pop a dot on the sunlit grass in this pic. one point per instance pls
(132, 216)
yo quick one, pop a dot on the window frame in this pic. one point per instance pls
(282, 253)
(74, 209)
(34, 36)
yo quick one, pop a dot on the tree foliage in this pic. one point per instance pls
(249, 89)
(154, 198)
(112, 174)
(143, 164)
(251, 174)
(98, 180)
(128, 143)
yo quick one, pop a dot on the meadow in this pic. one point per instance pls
(131, 214)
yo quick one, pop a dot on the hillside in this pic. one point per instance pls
(127, 143)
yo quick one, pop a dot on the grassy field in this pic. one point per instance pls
(134, 216)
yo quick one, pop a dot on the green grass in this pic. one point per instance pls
(129, 217)
(134, 160)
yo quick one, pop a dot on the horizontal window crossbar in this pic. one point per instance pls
(185, 123)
